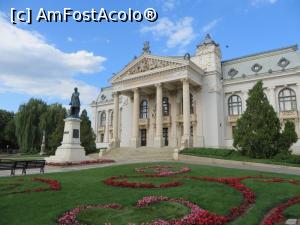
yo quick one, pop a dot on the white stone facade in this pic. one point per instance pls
(192, 100)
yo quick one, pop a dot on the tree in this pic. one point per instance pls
(28, 131)
(10, 134)
(7, 130)
(52, 122)
(287, 137)
(87, 136)
(258, 130)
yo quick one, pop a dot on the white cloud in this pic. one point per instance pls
(208, 27)
(260, 2)
(178, 34)
(30, 65)
(69, 39)
(168, 5)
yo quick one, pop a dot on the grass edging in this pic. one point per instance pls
(231, 154)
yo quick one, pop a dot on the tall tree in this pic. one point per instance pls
(28, 130)
(7, 130)
(52, 122)
(87, 136)
(258, 130)
(10, 134)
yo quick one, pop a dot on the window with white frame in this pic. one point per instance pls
(287, 100)
(165, 106)
(103, 119)
(234, 105)
(144, 109)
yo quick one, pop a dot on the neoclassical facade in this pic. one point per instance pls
(194, 100)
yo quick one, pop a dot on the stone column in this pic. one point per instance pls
(185, 142)
(116, 140)
(106, 135)
(159, 117)
(98, 126)
(135, 118)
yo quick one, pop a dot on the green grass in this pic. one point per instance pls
(133, 215)
(230, 154)
(86, 187)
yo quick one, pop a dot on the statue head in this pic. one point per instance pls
(75, 89)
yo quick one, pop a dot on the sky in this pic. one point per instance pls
(47, 60)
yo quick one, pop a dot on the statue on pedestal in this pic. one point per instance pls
(70, 149)
(75, 104)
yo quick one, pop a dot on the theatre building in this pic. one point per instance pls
(192, 100)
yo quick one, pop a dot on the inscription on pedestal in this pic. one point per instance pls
(66, 132)
(75, 133)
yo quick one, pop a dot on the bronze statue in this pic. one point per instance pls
(75, 104)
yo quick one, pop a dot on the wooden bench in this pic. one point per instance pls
(23, 165)
(6, 164)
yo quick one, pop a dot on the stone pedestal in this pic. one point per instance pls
(70, 149)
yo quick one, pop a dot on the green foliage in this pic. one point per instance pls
(87, 135)
(208, 151)
(36, 116)
(7, 130)
(287, 158)
(52, 122)
(28, 132)
(287, 137)
(230, 154)
(258, 130)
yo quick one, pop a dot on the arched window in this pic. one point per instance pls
(165, 106)
(234, 105)
(111, 118)
(144, 109)
(103, 119)
(287, 100)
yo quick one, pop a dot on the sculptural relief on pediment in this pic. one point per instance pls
(147, 64)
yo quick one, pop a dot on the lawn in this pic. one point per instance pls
(86, 187)
(230, 154)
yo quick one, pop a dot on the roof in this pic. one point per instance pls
(291, 47)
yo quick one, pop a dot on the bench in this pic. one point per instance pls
(6, 164)
(23, 165)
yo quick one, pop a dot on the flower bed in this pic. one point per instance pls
(280, 180)
(69, 218)
(54, 185)
(248, 194)
(196, 216)
(87, 162)
(275, 216)
(113, 181)
(161, 171)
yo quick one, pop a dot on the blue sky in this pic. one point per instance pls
(46, 60)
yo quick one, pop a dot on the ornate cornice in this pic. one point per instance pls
(275, 74)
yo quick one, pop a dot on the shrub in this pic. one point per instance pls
(208, 151)
(282, 157)
(287, 137)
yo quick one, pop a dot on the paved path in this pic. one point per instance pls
(239, 165)
(127, 156)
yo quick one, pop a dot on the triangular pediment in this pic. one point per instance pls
(148, 64)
